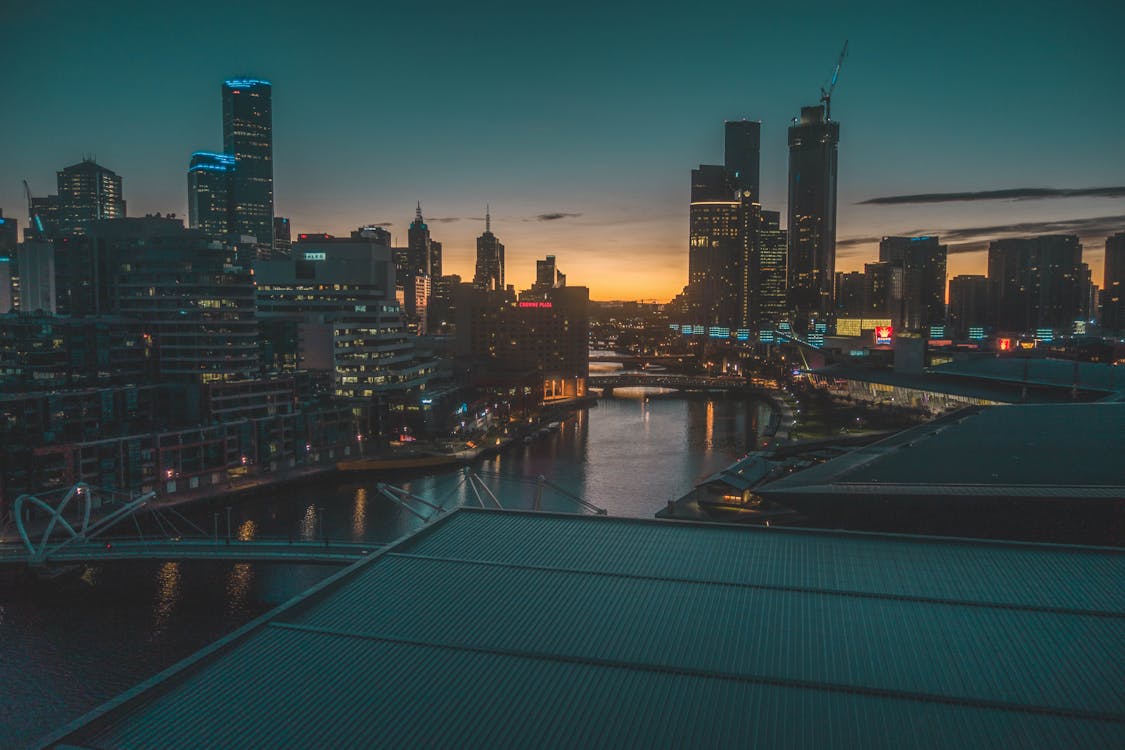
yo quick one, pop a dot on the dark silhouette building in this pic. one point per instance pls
(968, 303)
(490, 258)
(742, 157)
(283, 236)
(1113, 285)
(849, 293)
(248, 137)
(88, 192)
(1036, 283)
(209, 191)
(813, 143)
(923, 264)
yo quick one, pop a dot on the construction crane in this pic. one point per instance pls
(826, 94)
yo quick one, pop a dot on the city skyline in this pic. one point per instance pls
(578, 148)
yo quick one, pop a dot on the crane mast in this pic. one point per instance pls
(826, 94)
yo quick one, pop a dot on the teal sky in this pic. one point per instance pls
(594, 111)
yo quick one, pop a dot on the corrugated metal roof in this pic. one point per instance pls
(504, 629)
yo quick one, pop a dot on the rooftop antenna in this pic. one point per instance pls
(826, 95)
(418, 212)
(487, 218)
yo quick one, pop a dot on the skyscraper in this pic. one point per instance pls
(1113, 285)
(743, 148)
(418, 243)
(248, 137)
(923, 263)
(968, 303)
(282, 237)
(1035, 283)
(715, 250)
(490, 258)
(88, 192)
(209, 182)
(813, 141)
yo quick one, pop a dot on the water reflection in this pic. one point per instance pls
(247, 531)
(359, 514)
(307, 526)
(167, 594)
(239, 582)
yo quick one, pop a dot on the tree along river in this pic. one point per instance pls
(65, 648)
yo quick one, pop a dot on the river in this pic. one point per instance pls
(64, 649)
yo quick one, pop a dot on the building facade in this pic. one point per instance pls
(1113, 284)
(88, 192)
(923, 264)
(490, 259)
(813, 142)
(209, 192)
(1035, 283)
(248, 137)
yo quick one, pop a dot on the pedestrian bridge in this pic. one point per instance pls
(257, 550)
(607, 383)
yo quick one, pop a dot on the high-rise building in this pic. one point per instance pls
(1113, 283)
(882, 294)
(435, 258)
(248, 137)
(490, 258)
(743, 148)
(923, 263)
(9, 235)
(715, 262)
(849, 294)
(88, 192)
(44, 219)
(209, 184)
(331, 306)
(282, 236)
(547, 275)
(418, 243)
(1035, 283)
(197, 306)
(968, 303)
(35, 262)
(813, 141)
(772, 252)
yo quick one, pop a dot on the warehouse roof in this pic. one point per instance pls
(1040, 450)
(512, 629)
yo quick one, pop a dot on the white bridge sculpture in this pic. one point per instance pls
(38, 554)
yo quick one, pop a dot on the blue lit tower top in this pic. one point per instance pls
(209, 182)
(248, 137)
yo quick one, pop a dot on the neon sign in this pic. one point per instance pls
(884, 334)
(536, 304)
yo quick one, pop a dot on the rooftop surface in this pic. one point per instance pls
(510, 629)
(1040, 449)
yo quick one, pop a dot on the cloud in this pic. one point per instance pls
(445, 219)
(991, 195)
(555, 216)
(976, 239)
(382, 224)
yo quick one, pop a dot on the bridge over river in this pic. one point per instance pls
(607, 383)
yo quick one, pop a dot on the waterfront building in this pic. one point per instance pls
(813, 141)
(543, 338)
(331, 307)
(248, 137)
(1113, 285)
(209, 192)
(923, 264)
(1035, 283)
(43, 351)
(968, 303)
(490, 258)
(88, 192)
(716, 244)
(197, 305)
(764, 274)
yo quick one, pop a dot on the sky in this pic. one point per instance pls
(579, 122)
